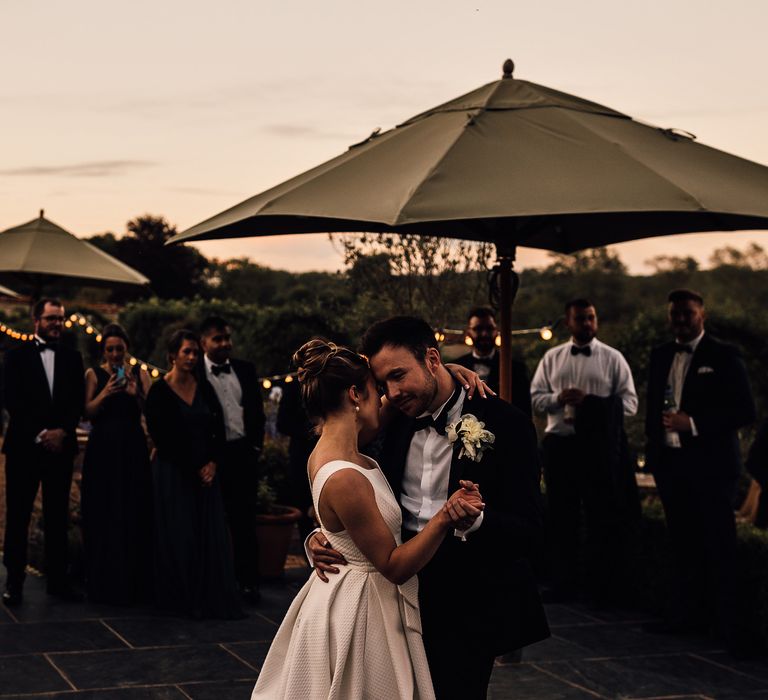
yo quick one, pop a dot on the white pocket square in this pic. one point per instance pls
(705, 370)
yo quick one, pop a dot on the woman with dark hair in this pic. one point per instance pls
(356, 634)
(116, 486)
(194, 571)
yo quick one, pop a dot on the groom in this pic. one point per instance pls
(479, 586)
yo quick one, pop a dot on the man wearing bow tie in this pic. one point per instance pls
(238, 391)
(44, 395)
(484, 358)
(585, 387)
(698, 399)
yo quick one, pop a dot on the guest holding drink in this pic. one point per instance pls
(585, 388)
(117, 487)
(194, 571)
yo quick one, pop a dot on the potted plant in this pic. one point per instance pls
(275, 523)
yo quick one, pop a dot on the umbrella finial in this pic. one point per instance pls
(42, 211)
(508, 68)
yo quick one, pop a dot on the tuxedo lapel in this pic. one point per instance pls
(700, 356)
(397, 442)
(38, 372)
(476, 407)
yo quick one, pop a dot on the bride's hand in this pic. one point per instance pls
(464, 506)
(470, 380)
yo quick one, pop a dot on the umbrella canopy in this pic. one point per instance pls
(5, 292)
(40, 249)
(518, 163)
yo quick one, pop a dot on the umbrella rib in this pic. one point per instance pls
(635, 159)
(399, 221)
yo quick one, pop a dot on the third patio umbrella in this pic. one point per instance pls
(518, 164)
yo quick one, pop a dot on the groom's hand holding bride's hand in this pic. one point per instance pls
(465, 505)
(324, 558)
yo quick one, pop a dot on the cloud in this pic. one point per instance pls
(98, 168)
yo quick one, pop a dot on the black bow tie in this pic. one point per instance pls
(439, 423)
(679, 347)
(485, 361)
(218, 369)
(581, 350)
(41, 346)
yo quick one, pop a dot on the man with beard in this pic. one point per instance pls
(698, 399)
(585, 388)
(478, 596)
(237, 389)
(44, 395)
(484, 358)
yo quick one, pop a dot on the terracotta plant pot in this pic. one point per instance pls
(273, 534)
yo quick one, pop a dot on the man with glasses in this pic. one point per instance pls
(44, 394)
(484, 358)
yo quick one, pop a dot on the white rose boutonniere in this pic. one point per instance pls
(475, 439)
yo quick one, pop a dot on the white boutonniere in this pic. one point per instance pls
(475, 439)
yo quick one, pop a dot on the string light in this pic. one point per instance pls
(267, 383)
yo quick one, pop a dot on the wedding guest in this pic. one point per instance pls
(585, 388)
(484, 358)
(117, 484)
(361, 636)
(44, 392)
(236, 389)
(698, 399)
(482, 572)
(292, 420)
(194, 571)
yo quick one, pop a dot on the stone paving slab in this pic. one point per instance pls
(150, 632)
(151, 666)
(55, 651)
(41, 637)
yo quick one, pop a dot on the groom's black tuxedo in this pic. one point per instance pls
(481, 592)
(33, 409)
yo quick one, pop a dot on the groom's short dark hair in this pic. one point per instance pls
(409, 332)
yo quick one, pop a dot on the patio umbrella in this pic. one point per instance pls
(40, 251)
(518, 164)
(5, 292)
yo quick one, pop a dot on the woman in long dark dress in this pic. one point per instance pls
(116, 486)
(194, 571)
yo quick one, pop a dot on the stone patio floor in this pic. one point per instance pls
(56, 650)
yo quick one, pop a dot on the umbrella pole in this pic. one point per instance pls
(508, 282)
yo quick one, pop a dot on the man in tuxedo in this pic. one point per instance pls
(478, 595)
(698, 399)
(585, 388)
(236, 387)
(484, 358)
(44, 395)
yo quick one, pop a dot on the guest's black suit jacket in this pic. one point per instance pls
(28, 399)
(253, 406)
(716, 395)
(489, 575)
(521, 383)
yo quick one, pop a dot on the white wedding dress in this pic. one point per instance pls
(357, 636)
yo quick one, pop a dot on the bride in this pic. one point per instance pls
(359, 635)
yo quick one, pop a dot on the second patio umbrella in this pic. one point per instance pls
(40, 251)
(514, 163)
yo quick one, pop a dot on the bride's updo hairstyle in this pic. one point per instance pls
(326, 371)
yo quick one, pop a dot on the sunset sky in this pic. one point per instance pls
(182, 109)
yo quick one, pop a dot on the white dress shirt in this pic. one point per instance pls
(604, 373)
(678, 371)
(230, 393)
(427, 472)
(48, 358)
